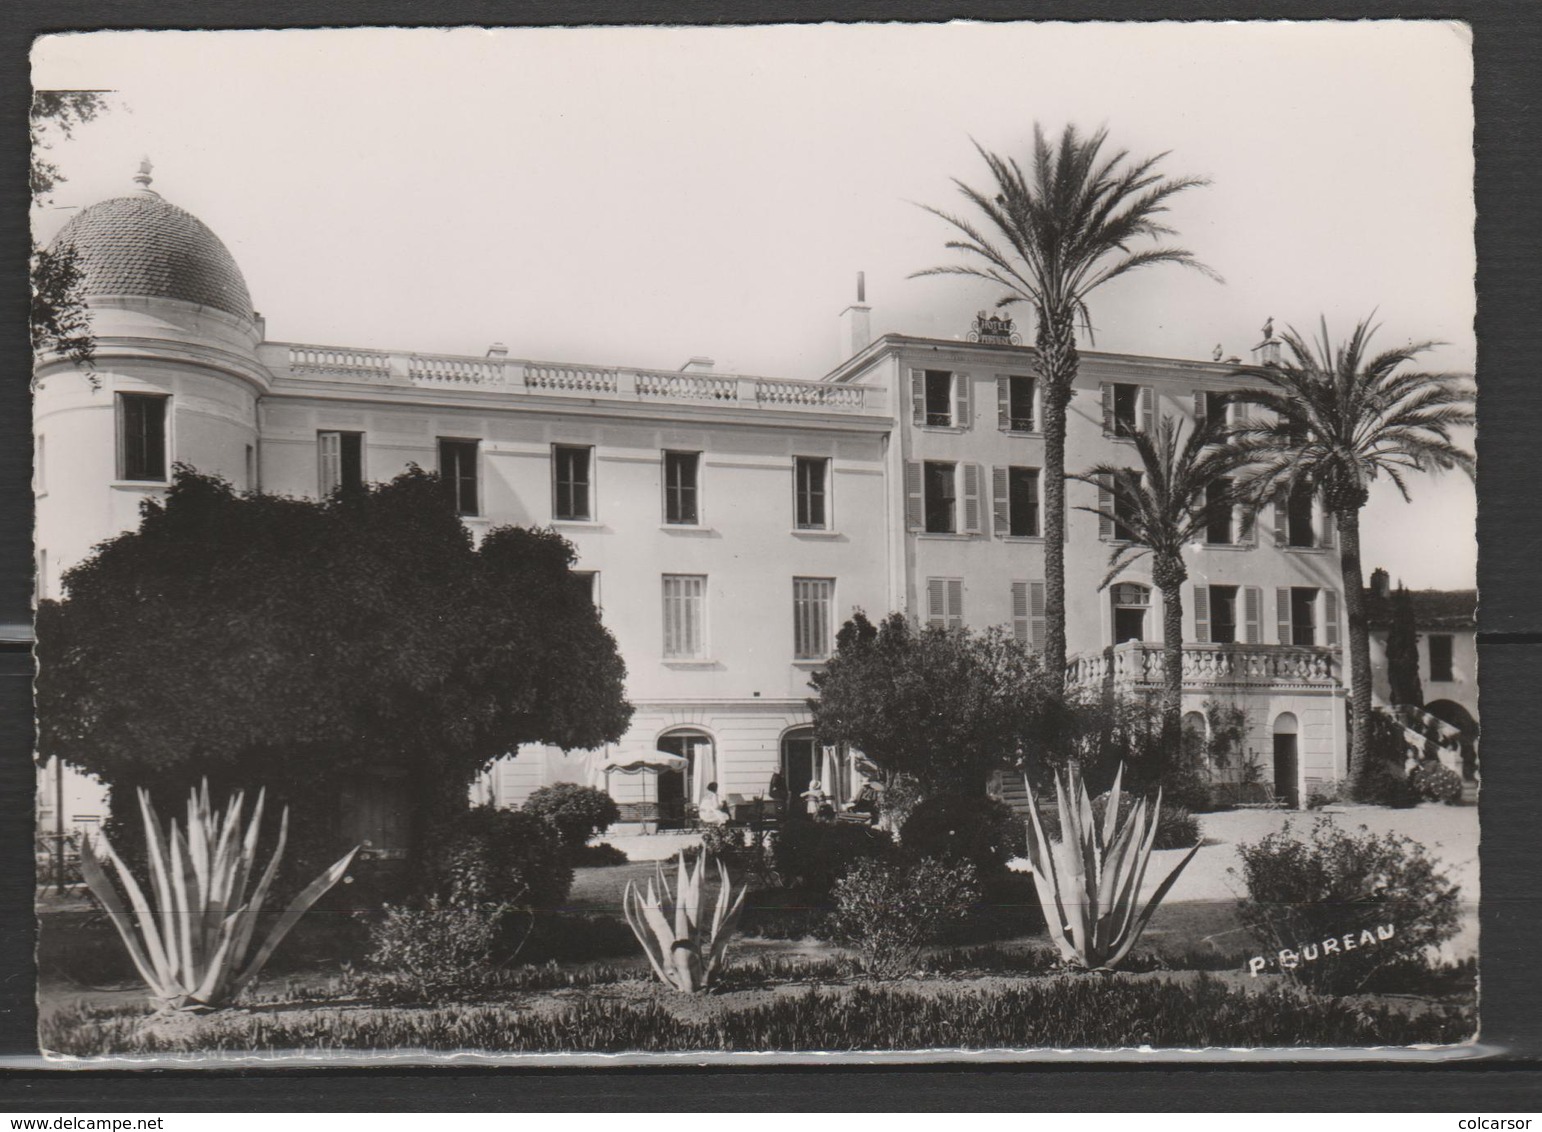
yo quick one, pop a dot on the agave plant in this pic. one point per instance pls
(669, 926)
(191, 946)
(1089, 881)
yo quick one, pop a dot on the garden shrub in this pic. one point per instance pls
(578, 812)
(889, 909)
(1336, 885)
(1008, 908)
(746, 851)
(436, 945)
(811, 855)
(1387, 785)
(493, 856)
(1436, 783)
(984, 831)
(1324, 794)
(601, 856)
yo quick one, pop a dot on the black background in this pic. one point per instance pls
(1508, 92)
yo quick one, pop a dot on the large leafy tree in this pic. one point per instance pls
(304, 646)
(1181, 485)
(941, 707)
(1337, 418)
(60, 320)
(1051, 236)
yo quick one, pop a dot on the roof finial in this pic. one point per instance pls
(142, 178)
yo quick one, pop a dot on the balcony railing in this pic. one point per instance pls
(1139, 665)
(559, 379)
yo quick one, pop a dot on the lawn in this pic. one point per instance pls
(587, 987)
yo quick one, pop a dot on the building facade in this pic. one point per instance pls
(729, 523)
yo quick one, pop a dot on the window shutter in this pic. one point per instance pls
(1253, 613)
(1330, 617)
(1325, 539)
(915, 497)
(1020, 629)
(936, 611)
(963, 402)
(329, 450)
(1000, 504)
(1247, 524)
(1105, 505)
(972, 516)
(1003, 402)
(1202, 614)
(1282, 614)
(1199, 408)
(955, 603)
(1108, 409)
(1147, 409)
(1281, 518)
(918, 396)
(1036, 615)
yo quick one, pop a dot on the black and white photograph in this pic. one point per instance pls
(745, 544)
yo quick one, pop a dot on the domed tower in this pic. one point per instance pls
(176, 376)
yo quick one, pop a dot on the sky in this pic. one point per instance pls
(640, 196)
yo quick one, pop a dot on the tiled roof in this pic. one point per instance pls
(1433, 609)
(143, 245)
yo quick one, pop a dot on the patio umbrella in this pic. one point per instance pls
(634, 762)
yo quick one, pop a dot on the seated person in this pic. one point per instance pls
(710, 810)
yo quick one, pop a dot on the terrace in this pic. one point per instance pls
(1137, 665)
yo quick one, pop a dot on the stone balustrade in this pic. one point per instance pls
(495, 374)
(1139, 664)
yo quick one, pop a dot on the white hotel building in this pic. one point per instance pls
(730, 522)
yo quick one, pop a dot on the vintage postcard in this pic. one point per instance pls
(902, 540)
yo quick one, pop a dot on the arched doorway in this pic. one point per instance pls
(1287, 760)
(1449, 711)
(1131, 602)
(679, 788)
(804, 762)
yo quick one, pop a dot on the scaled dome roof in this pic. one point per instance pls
(143, 245)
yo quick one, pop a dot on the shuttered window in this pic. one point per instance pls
(458, 473)
(340, 456)
(1015, 403)
(1253, 614)
(681, 498)
(940, 398)
(945, 603)
(1296, 612)
(1028, 614)
(1219, 529)
(813, 601)
(142, 437)
(572, 497)
(810, 475)
(974, 514)
(685, 598)
(1015, 501)
(1127, 408)
(941, 498)
(1330, 618)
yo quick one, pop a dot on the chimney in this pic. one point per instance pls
(698, 365)
(856, 326)
(498, 351)
(1381, 583)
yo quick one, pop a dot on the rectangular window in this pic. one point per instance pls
(941, 498)
(142, 437)
(458, 471)
(810, 494)
(685, 600)
(590, 580)
(1219, 531)
(1441, 658)
(813, 600)
(945, 603)
(1216, 407)
(340, 456)
(1124, 509)
(1020, 404)
(939, 397)
(1023, 501)
(1028, 614)
(1302, 529)
(1126, 409)
(1303, 615)
(571, 483)
(680, 494)
(1223, 615)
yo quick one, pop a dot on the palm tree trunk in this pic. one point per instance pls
(1359, 650)
(1172, 669)
(1057, 364)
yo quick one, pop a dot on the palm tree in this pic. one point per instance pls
(1335, 421)
(1051, 237)
(1181, 485)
